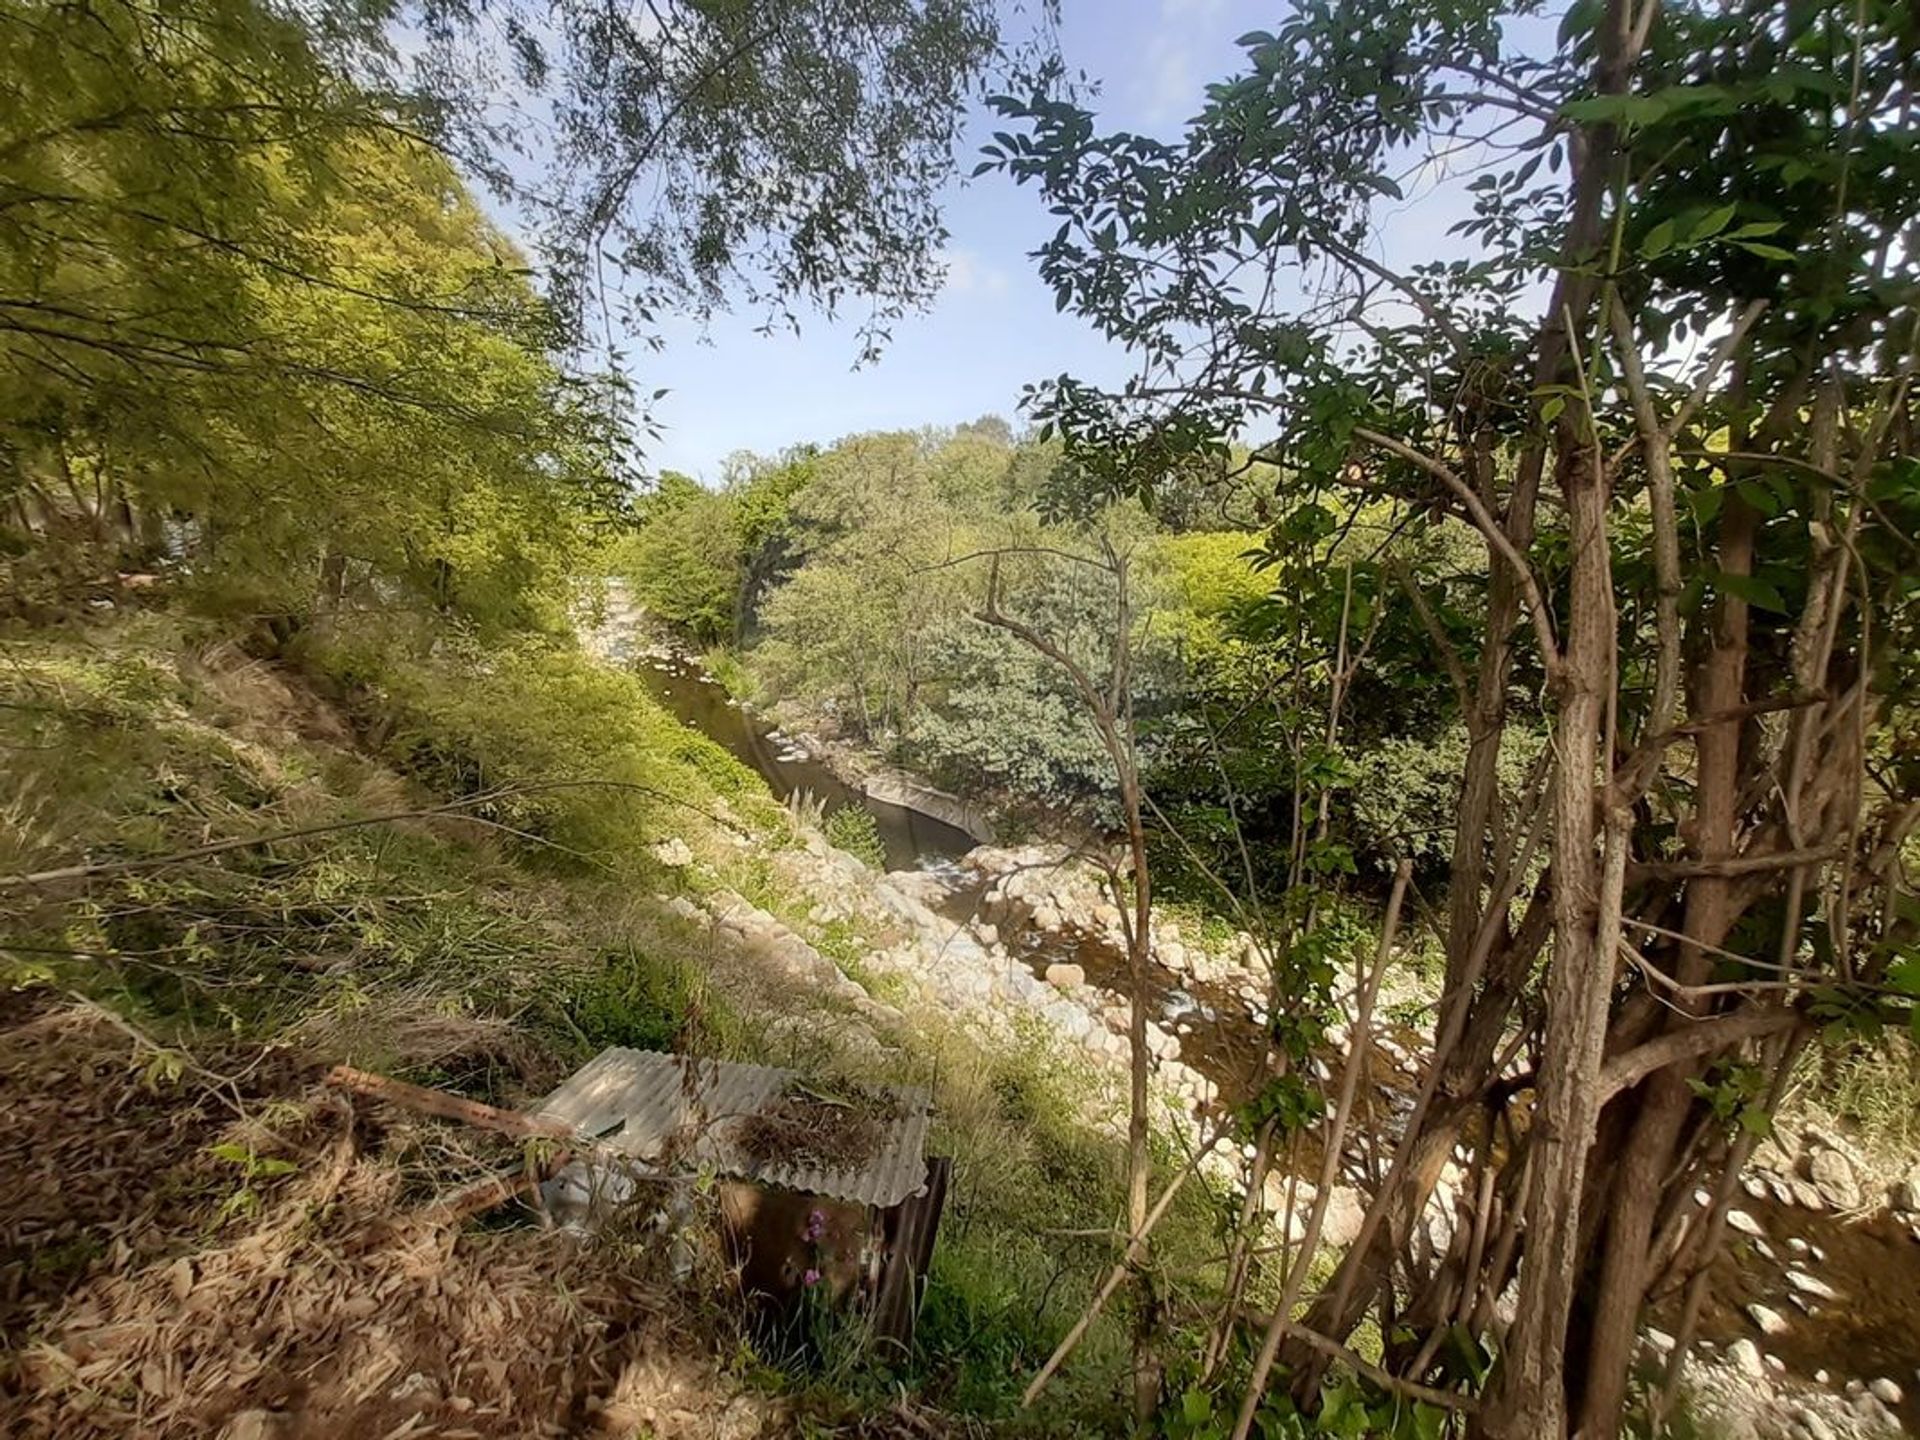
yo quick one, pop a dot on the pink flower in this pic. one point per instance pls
(812, 1277)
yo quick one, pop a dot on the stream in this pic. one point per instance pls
(1218, 1037)
(910, 839)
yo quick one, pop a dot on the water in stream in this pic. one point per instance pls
(909, 838)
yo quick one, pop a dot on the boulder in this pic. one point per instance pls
(1066, 976)
(1805, 1284)
(1906, 1194)
(1833, 1176)
(1746, 1355)
(1886, 1391)
(1807, 1195)
(673, 853)
(1771, 1322)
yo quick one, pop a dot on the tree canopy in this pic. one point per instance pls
(1667, 382)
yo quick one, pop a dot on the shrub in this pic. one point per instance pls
(855, 831)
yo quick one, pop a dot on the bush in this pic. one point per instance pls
(855, 831)
(593, 768)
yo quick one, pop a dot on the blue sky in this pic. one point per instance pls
(994, 327)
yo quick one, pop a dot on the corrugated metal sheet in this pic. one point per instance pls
(682, 1112)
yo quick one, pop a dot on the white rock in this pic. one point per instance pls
(1754, 1186)
(1659, 1340)
(1833, 1176)
(1906, 1195)
(673, 853)
(1065, 976)
(1886, 1391)
(1746, 1355)
(1771, 1322)
(1743, 1222)
(1809, 1285)
(1776, 1364)
(1797, 1245)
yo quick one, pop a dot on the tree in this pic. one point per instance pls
(242, 287)
(796, 148)
(683, 558)
(1692, 472)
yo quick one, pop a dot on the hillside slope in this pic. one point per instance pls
(487, 868)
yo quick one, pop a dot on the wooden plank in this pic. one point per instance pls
(446, 1105)
(911, 1228)
(484, 1195)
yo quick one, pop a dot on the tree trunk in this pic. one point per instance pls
(1710, 911)
(1589, 872)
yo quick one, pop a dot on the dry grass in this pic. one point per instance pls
(808, 1127)
(323, 1307)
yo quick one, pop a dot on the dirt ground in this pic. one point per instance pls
(243, 1258)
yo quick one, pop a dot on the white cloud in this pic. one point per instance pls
(968, 274)
(1169, 87)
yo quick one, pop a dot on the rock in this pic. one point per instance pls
(258, 1425)
(1746, 1355)
(1743, 1222)
(1660, 1340)
(1755, 1187)
(1886, 1391)
(1906, 1194)
(1045, 916)
(1776, 1364)
(1833, 1176)
(1807, 1196)
(1810, 1421)
(1771, 1322)
(1796, 1245)
(1065, 975)
(674, 853)
(1806, 1284)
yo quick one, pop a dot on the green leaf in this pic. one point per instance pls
(1658, 240)
(1765, 251)
(1714, 221)
(1753, 590)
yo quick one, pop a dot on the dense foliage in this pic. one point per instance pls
(1661, 369)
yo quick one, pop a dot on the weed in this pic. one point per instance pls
(854, 830)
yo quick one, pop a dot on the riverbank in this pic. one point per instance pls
(1020, 945)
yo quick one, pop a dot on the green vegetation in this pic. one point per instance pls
(1559, 594)
(854, 830)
